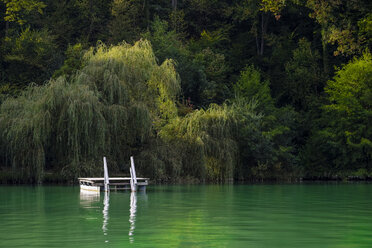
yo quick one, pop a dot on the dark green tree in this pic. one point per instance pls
(342, 142)
(304, 79)
(29, 57)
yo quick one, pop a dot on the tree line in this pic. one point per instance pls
(196, 90)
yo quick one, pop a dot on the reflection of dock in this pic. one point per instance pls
(105, 211)
(95, 184)
(132, 216)
(89, 199)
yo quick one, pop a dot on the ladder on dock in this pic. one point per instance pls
(95, 184)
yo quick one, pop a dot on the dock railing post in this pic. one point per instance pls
(106, 177)
(133, 177)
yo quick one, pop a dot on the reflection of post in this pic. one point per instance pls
(132, 215)
(105, 212)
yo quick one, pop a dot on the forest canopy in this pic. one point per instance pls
(197, 90)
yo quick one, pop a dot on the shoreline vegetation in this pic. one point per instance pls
(196, 91)
(50, 178)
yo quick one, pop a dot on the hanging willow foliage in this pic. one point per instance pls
(210, 137)
(108, 108)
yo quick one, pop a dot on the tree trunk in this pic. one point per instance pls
(6, 28)
(264, 24)
(147, 13)
(257, 45)
(91, 20)
(174, 5)
(261, 33)
(325, 52)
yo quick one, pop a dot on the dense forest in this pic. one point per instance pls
(202, 90)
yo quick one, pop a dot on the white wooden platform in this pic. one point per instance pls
(116, 183)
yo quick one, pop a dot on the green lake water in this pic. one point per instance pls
(279, 215)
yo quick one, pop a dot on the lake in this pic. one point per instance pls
(277, 215)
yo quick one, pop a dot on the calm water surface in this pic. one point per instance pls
(299, 215)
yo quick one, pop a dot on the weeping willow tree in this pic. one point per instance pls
(210, 138)
(111, 107)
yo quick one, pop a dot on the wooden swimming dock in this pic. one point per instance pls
(116, 183)
(96, 184)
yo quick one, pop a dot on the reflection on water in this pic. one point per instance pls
(132, 215)
(280, 215)
(105, 211)
(88, 199)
